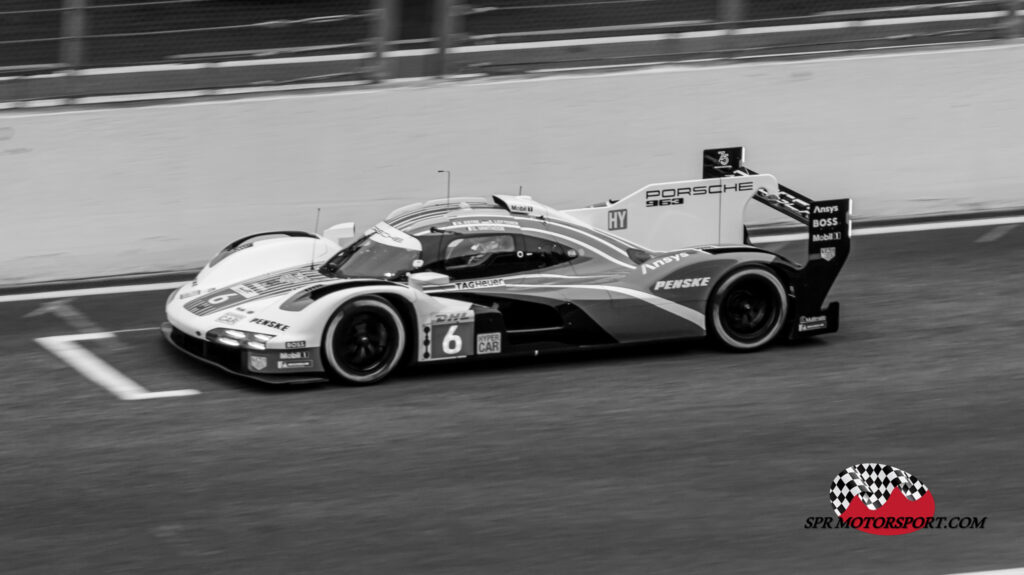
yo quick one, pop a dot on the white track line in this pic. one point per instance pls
(89, 292)
(995, 234)
(67, 348)
(135, 329)
(1018, 571)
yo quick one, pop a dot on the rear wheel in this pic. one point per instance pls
(364, 341)
(748, 309)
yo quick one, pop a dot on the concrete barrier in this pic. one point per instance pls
(108, 191)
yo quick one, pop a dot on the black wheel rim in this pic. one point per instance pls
(750, 309)
(364, 342)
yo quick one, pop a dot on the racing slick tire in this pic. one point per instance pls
(748, 309)
(364, 341)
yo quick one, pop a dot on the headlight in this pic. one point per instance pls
(239, 338)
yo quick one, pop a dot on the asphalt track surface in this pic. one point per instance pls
(666, 459)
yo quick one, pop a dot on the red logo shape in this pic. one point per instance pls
(881, 499)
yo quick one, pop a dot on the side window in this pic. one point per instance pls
(544, 253)
(481, 256)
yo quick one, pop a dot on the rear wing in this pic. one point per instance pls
(828, 243)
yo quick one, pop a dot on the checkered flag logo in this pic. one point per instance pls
(873, 483)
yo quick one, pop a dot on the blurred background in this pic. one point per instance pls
(378, 39)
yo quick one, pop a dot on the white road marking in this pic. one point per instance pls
(135, 329)
(63, 309)
(67, 348)
(899, 229)
(995, 233)
(89, 292)
(1018, 571)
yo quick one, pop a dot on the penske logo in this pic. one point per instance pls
(682, 284)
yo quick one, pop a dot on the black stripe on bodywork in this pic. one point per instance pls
(531, 319)
(305, 297)
(266, 286)
(404, 221)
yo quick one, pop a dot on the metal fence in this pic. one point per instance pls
(471, 35)
(524, 20)
(93, 33)
(516, 35)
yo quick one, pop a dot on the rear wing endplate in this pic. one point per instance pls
(828, 226)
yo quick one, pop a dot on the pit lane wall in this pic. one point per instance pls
(95, 192)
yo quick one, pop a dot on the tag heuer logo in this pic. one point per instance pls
(257, 362)
(828, 254)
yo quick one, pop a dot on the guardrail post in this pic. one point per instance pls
(729, 12)
(385, 30)
(72, 33)
(1012, 27)
(444, 13)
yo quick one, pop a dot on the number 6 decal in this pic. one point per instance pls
(452, 343)
(447, 337)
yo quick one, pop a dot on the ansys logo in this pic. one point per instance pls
(881, 499)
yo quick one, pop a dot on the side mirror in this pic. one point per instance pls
(343, 231)
(420, 280)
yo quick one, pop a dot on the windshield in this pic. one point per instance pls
(384, 253)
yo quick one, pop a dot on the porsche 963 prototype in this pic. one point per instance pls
(465, 278)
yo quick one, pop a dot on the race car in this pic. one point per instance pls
(475, 278)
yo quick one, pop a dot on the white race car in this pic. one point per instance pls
(473, 277)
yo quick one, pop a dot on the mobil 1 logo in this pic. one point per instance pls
(830, 225)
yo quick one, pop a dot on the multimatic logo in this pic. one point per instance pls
(884, 500)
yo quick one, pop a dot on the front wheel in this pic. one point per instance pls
(748, 309)
(364, 341)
